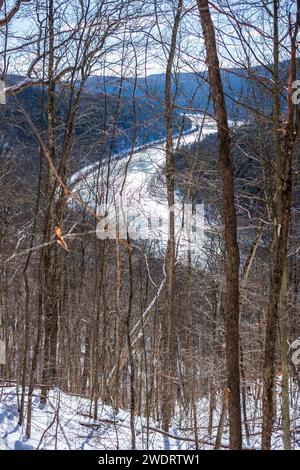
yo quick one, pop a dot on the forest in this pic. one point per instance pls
(149, 225)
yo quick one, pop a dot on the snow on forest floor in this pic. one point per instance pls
(64, 424)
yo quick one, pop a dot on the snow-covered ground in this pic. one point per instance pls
(65, 423)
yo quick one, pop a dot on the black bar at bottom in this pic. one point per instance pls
(134, 459)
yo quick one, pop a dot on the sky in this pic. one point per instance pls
(142, 45)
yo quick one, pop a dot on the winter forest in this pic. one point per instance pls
(149, 225)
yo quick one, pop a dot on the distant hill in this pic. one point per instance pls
(192, 89)
(104, 123)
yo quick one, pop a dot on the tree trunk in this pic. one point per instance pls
(168, 337)
(283, 192)
(283, 323)
(232, 261)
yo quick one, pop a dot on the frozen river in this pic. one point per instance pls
(132, 190)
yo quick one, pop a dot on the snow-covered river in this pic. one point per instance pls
(135, 187)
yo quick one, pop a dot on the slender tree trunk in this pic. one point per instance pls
(49, 254)
(283, 323)
(283, 192)
(117, 352)
(131, 359)
(168, 336)
(232, 261)
(221, 421)
(26, 346)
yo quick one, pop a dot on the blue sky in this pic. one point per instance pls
(150, 46)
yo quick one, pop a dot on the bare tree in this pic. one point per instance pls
(232, 260)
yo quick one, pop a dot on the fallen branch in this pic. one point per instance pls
(100, 423)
